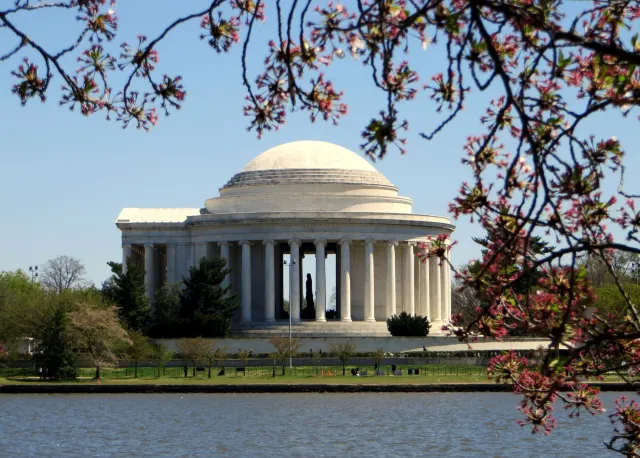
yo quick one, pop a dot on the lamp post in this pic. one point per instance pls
(291, 264)
(34, 272)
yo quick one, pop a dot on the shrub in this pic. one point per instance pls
(408, 326)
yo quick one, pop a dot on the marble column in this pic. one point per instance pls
(433, 300)
(369, 282)
(200, 251)
(436, 284)
(321, 280)
(391, 278)
(345, 280)
(449, 284)
(426, 289)
(444, 278)
(148, 271)
(171, 263)
(417, 293)
(224, 254)
(269, 281)
(294, 279)
(126, 254)
(423, 309)
(192, 256)
(408, 294)
(301, 288)
(246, 281)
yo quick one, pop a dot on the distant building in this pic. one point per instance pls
(306, 197)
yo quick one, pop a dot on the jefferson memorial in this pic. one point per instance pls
(297, 199)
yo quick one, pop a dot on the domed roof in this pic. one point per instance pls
(307, 162)
(308, 155)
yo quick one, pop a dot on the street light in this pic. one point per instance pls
(34, 271)
(291, 264)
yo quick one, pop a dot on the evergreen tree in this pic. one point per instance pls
(166, 311)
(109, 286)
(127, 291)
(205, 305)
(57, 350)
(527, 277)
(536, 247)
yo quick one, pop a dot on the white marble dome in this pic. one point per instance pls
(307, 162)
(309, 154)
(309, 176)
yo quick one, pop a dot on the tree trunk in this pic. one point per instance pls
(135, 370)
(194, 368)
(97, 373)
(209, 370)
(283, 369)
(344, 369)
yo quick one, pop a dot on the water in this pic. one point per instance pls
(298, 425)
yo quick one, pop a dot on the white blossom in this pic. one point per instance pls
(356, 45)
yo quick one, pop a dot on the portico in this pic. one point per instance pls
(296, 199)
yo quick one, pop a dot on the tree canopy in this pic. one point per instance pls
(194, 349)
(63, 273)
(98, 333)
(284, 349)
(343, 351)
(20, 306)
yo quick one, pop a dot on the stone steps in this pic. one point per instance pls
(312, 329)
(319, 329)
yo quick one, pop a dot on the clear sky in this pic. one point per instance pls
(64, 178)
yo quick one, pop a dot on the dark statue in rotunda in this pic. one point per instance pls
(309, 312)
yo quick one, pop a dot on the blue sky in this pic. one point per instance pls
(64, 178)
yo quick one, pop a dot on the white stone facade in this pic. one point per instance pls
(302, 197)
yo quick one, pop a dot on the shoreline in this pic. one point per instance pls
(274, 388)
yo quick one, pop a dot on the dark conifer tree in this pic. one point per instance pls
(57, 353)
(127, 291)
(166, 312)
(205, 305)
(526, 276)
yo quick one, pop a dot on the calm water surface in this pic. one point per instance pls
(272, 425)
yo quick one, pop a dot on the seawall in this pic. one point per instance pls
(274, 388)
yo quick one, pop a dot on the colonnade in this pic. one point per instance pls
(428, 295)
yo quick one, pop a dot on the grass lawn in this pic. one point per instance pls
(432, 374)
